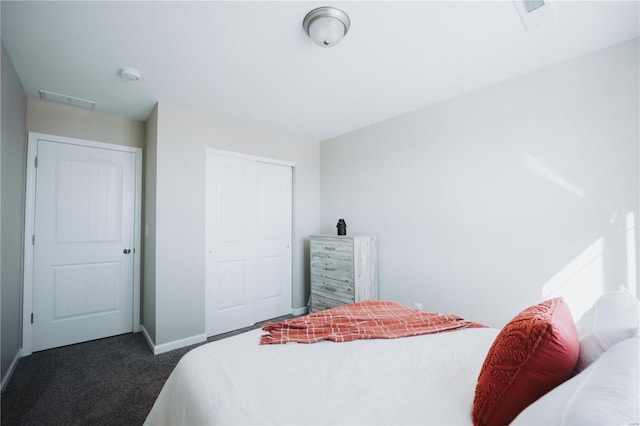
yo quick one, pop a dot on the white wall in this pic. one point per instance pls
(14, 151)
(479, 200)
(148, 294)
(182, 137)
(65, 120)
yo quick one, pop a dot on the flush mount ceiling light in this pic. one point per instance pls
(534, 12)
(326, 26)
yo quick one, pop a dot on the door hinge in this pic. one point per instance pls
(33, 239)
(36, 162)
(31, 317)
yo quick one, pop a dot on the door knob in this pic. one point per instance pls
(126, 251)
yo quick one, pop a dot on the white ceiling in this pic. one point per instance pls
(252, 61)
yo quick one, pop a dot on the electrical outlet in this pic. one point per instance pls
(417, 305)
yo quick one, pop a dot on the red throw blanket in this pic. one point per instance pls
(372, 319)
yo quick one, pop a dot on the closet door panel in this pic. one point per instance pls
(248, 242)
(229, 268)
(273, 251)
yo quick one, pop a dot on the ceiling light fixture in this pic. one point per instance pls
(326, 26)
(534, 12)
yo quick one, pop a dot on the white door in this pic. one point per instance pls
(83, 244)
(248, 239)
(273, 241)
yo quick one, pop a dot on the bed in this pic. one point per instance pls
(423, 379)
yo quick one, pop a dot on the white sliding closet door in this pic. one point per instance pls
(248, 241)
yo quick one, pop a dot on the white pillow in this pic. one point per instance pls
(613, 318)
(605, 393)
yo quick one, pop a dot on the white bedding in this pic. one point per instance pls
(427, 379)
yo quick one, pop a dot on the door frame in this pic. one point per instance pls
(250, 157)
(259, 159)
(29, 224)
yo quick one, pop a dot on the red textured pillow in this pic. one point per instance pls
(535, 352)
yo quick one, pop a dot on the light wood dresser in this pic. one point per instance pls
(344, 269)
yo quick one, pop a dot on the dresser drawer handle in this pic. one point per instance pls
(329, 269)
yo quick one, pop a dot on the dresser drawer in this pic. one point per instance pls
(339, 270)
(332, 248)
(332, 289)
(319, 303)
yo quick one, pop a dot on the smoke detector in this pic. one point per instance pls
(131, 74)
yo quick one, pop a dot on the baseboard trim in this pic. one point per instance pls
(145, 333)
(173, 345)
(181, 343)
(12, 368)
(299, 311)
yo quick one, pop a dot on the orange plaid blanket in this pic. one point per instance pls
(372, 319)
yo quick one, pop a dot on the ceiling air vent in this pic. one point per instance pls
(68, 100)
(534, 12)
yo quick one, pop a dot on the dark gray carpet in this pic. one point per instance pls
(112, 381)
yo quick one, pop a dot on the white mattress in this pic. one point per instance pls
(416, 380)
